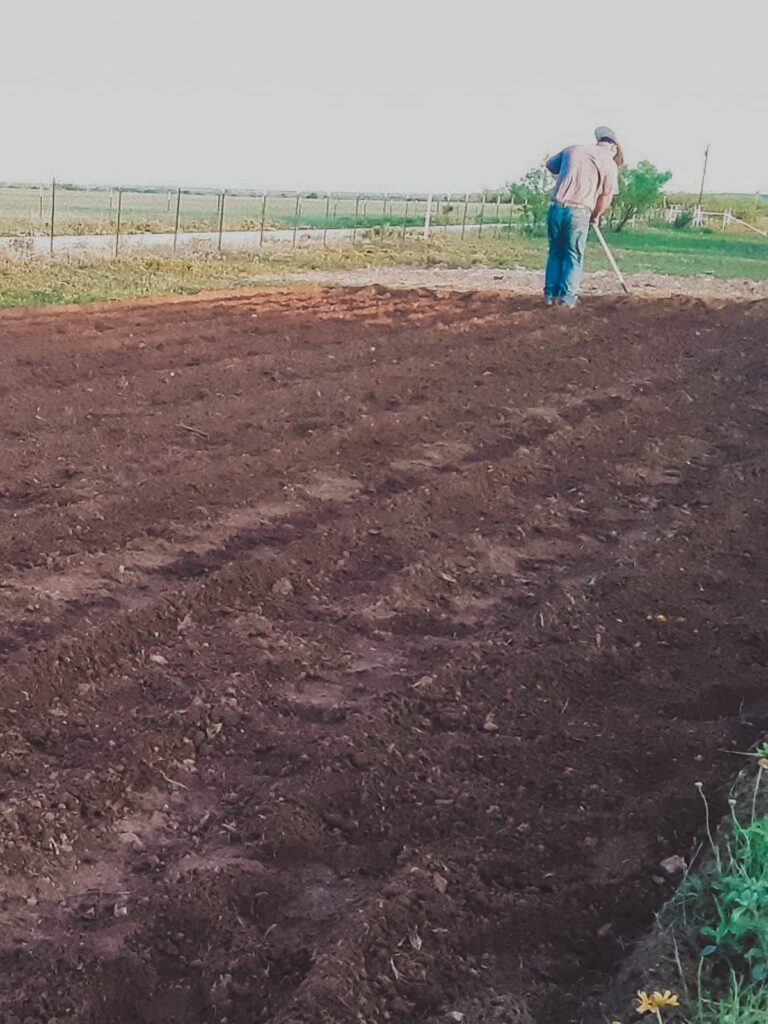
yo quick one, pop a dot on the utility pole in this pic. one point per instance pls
(704, 174)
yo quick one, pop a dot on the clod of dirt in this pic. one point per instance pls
(333, 820)
(158, 659)
(440, 883)
(489, 725)
(197, 712)
(132, 840)
(673, 865)
(184, 624)
(283, 587)
(257, 625)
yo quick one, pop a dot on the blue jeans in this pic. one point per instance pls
(567, 230)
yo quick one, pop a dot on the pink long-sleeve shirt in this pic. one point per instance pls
(584, 174)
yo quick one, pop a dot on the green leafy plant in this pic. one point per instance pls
(639, 190)
(684, 219)
(532, 194)
(736, 900)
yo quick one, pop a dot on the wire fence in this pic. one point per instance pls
(60, 218)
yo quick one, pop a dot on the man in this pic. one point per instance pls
(587, 181)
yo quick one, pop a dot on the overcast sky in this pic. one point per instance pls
(408, 95)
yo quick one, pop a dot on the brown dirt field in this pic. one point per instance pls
(361, 649)
(530, 282)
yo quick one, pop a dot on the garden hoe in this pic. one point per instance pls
(611, 260)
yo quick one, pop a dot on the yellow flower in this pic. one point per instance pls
(644, 1003)
(653, 1003)
(665, 998)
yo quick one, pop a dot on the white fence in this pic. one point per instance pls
(708, 218)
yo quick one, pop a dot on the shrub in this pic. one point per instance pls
(532, 194)
(684, 219)
(639, 190)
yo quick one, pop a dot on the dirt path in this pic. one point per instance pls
(529, 282)
(361, 649)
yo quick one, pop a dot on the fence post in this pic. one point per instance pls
(498, 214)
(53, 210)
(464, 218)
(221, 216)
(296, 219)
(119, 218)
(263, 217)
(176, 222)
(354, 226)
(509, 221)
(428, 217)
(327, 214)
(405, 216)
(482, 215)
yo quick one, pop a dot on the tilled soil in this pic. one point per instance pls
(530, 282)
(361, 649)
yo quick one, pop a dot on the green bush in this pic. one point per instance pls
(684, 219)
(639, 190)
(532, 194)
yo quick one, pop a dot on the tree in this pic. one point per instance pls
(639, 190)
(532, 195)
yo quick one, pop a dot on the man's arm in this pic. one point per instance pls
(609, 190)
(555, 163)
(603, 203)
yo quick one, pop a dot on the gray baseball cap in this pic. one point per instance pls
(606, 134)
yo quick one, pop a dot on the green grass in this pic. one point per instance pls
(669, 251)
(710, 946)
(42, 283)
(721, 915)
(740, 1004)
(36, 282)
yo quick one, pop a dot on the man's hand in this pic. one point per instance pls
(602, 205)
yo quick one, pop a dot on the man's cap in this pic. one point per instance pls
(603, 134)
